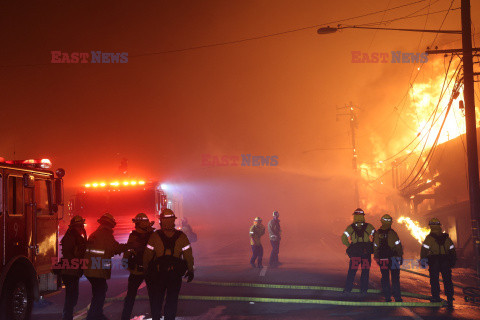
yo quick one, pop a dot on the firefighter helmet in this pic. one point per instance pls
(140, 217)
(386, 218)
(76, 220)
(359, 211)
(276, 214)
(107, 219)
(434, 222)
(167, 213)
(258, 219)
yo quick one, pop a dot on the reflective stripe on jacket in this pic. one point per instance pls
(431, 247)
(156, 249)
(101, 247)
(351, 234)
(393, 242)
(137, 242)
(256, 232)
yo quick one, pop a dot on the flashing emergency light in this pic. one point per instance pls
(115, 184)
(164, 187)
(35, 163)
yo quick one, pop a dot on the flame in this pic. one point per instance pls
(418, 232)
(421, 104)
(424, 97)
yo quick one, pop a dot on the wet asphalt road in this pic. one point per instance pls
(218, 264)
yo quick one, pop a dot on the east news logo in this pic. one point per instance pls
(392, 57)
(92, 57)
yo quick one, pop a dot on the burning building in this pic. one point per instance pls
(441, 192)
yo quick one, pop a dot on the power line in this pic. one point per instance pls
(424, 136)
(442, 92)
(443, 21)
(246, 39)
(409, 16)
(431, 127)
(279, 33)
(427, 161)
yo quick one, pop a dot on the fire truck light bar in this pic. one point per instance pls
(114, 184)
(35, 163)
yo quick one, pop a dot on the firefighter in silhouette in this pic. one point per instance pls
(274, 232)
(359, 250)
(257, 230)
(101, 247)
(169, 257)
(137, 242)
(74, 245)
(188, 230)
(438, 249)
(388, 253)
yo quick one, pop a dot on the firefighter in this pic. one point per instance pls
(169, 257)
(388, 253)
(440, 252)
(274, 231)
(359, 250)
(74, 244)
(137, 242)
(188, 230)
(257, 230)
(101, 247)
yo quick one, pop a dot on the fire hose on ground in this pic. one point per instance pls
(82, 312)
(471, 294)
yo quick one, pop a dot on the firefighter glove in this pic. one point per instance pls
(423, 263)
(189, 275)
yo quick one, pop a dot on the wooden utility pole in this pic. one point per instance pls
(353, 128)
(471, 129)
(470, 125)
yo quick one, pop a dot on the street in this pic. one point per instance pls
(218, 269)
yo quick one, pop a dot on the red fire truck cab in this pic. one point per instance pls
(123, 198)
(31, 198)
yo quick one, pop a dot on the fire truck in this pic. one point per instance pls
(123, 198)
(31, 205)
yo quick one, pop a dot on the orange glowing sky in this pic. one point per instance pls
(271, 96)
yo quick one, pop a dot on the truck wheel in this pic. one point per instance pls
(19, 301)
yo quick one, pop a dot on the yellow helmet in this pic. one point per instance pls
(386, 218)
(434, 222)
(358, 211)
(258, 219)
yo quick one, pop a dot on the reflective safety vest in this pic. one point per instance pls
(358, 232)
(387, 244)
(164, 254)
(256, 232)
(438, 244)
